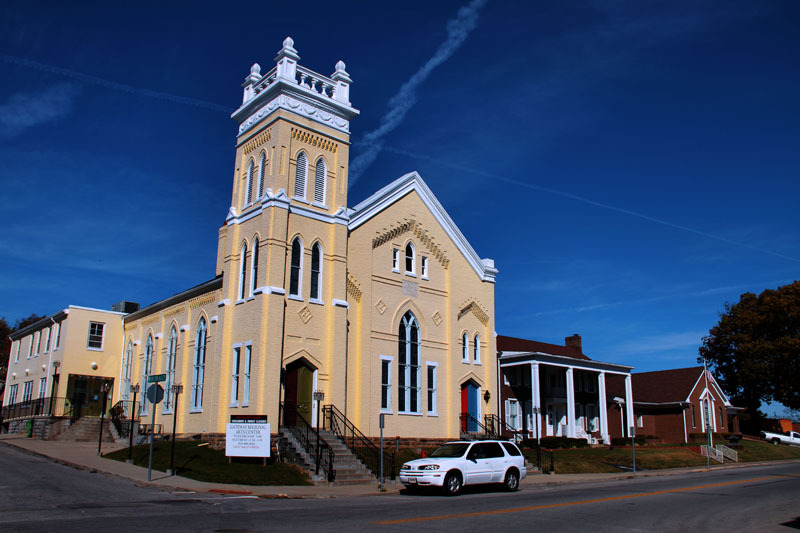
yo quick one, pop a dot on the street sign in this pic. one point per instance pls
(155, 393)
(155, 378)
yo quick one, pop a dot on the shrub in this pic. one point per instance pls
(640, 440)
(563, 442)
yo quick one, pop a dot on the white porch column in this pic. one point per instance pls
(536, 402)
(603, 407)
(629, 404)
(570, 404)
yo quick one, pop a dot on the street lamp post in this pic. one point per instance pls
(134, 390)
(318, 397)
(176, 389)
(106, 388)
(56, 364)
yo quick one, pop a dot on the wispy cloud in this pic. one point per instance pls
(94, 80)
(26, 110)
(458, 29)
(664, 342)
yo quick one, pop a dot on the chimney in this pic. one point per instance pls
(574, 341)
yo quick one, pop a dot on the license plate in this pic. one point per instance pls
(412, 481)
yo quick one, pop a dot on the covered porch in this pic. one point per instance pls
(556, 395)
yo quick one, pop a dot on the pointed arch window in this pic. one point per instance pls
(408, 389)
(410, 259)
(249, 191)
(254, 268)
(300, 176)
(316, 272)
(320, 173)
(172, 353)
(262, 169)
(476, 350)
(242, 270)
(147, 365)
(198, 372)
(296, 268)
(464, 348)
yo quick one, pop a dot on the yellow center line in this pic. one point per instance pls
(567, 504)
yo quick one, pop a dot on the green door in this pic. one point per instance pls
(305, 386)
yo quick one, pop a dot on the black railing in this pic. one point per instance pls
(362, 447)
(123, 416)
(545, 459)
(497, 428)
(471, 425)
(310, 439)
(55, 407)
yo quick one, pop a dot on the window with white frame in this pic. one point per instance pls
(296, 268)
(242, 270)
(386, 384)
(262, 168)
(248, 354)
(95, 341)
(424, 267)
(42, 388)
(721, 417)
(16, 356)
(249, 192)
(12, 394)
(27, 391)
(254, 267)
(147, 365)
(513, 418)
(476, 350)
(410, 260)
(464, 348)
(408, 365)
(320, 172)
(237, 353)
(58, 336)
(432, 385)
(300, 176)
(30, 346)
(591, 414)
(694, 417)
(38, 343)
(395, 260)
(639, 420)
(48, 333)
(172, 354)
(198, 371)
(127, 363)
(316, 271)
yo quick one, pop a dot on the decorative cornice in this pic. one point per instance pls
(353, 289)
(424, 237)
(294, 105)
(477, 310)
(314, 140)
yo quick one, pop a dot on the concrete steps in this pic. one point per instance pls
(349, 470)
(87, 429)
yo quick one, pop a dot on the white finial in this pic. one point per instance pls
(341, 92)
(255, 69)
(288, 42)
(340, 66)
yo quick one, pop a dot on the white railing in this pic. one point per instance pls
(713, 453)
(730, 453)
(316, 82)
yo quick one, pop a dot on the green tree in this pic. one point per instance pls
(754, 350)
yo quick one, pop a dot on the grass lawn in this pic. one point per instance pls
(591, 460)
(204, 464)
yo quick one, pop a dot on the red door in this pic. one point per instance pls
(464, 408)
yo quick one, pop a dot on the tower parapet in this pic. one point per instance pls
(296, 89)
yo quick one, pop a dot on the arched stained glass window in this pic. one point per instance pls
(408, 389)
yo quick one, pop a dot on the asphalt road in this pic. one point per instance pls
(38, 495)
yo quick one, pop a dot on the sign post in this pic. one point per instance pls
(135, 391)
(381, 426)
(318, 397)
(155, 393)
(247, 436)
(176, 389)
(633, 446)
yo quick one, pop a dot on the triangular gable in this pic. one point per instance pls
(398, 189)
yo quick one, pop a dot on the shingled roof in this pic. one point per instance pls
(513, 344)
(665, 386)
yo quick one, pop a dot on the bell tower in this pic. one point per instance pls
(282, 250)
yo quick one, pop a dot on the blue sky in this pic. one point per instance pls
(630, 166)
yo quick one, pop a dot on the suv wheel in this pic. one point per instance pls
(511, 482)
(452, 484)
(776, 441)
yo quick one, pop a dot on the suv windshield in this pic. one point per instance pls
(455, 449)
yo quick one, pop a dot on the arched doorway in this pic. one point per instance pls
(297, 393)
(470, 408)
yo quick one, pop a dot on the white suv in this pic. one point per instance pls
(455, 464)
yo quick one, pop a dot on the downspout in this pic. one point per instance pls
(49, 384)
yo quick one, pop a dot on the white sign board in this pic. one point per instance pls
(247, 440)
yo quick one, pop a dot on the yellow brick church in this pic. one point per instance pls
(379, 308)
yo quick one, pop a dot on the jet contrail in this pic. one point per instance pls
(87, 78)
(458, 29)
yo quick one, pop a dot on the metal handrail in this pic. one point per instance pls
(48, 406)
(467, 419)
(359, 444)
(310, 439)
(496, 427)
(119, 416)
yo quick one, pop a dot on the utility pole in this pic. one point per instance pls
(176, 389)
(106, 387)
(134, 390)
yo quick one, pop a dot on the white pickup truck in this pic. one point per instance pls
(791, 438)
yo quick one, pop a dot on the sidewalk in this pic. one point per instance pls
(84, 456)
